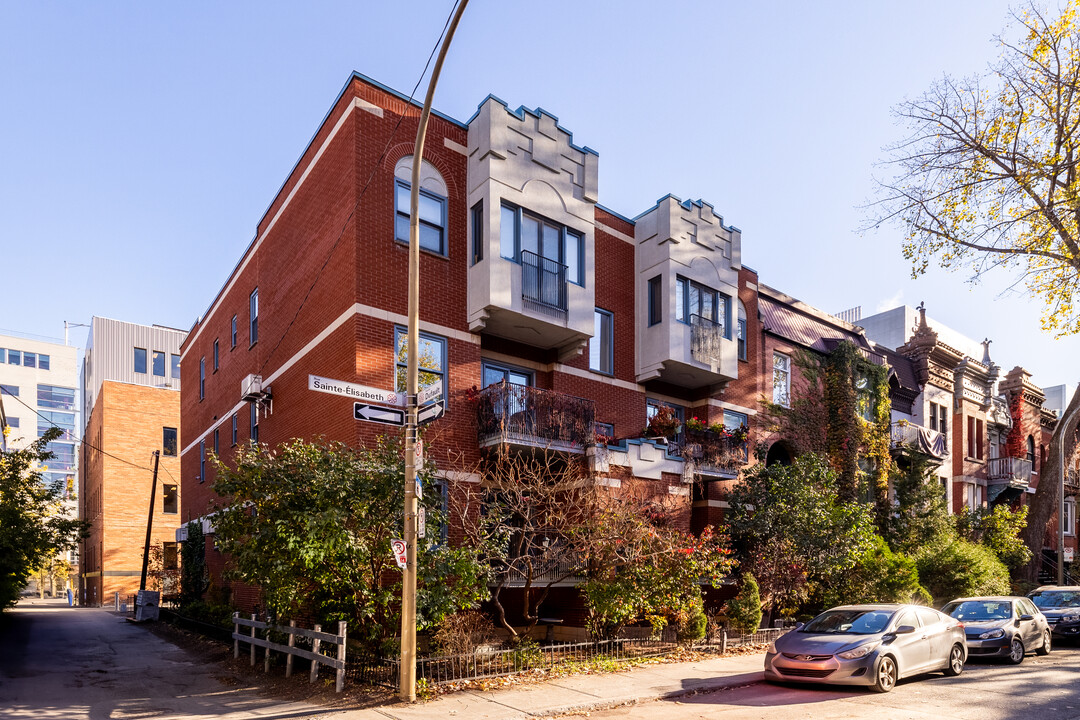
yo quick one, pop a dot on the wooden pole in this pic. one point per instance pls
(266, 650)
(149, 523)
(340, 684)
(236, 641)
(292, 643)
(315, 645)
(253, 637)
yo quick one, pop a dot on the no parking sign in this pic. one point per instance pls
(399, 549)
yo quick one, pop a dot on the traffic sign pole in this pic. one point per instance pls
(407, 679)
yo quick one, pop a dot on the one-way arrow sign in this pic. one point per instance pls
(379, 414)
(430, 412)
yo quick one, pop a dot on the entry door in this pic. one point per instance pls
(514, 402)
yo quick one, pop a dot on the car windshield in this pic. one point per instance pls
(975, 610)
(1056, 598)
(851, 622)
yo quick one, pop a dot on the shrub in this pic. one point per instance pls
(744, 610)
(961, 568)
(880, 576)
(692, 628)
(463, 632)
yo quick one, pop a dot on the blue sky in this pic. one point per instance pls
(141, 142)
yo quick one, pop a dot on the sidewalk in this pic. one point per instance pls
(581, 693)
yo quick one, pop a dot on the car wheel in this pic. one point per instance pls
(1016, 651)
(1044, 649)
(886, 675)
(956, 661)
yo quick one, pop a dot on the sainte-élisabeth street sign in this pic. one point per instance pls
(375, 408)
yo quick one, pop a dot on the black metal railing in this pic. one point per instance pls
(1009, 469)
(711, 451)
(506, 412)
(543, 284)
(706, 340)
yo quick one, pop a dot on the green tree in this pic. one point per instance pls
(879, 576)
(33, 527)
(960, 568)
(988, 174)
(744, 610)
(310, 524)
(998, 528)
(194, 575)
(793, 529)
(920, 516)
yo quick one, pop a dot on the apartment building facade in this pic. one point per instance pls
(130, 381)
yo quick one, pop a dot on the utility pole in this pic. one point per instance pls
(1061, 506)
(149, 523)
(407, 679)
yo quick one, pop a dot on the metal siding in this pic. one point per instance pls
(110, 348)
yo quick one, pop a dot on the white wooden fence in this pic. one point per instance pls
(317, 637)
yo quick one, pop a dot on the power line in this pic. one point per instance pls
(360, 197)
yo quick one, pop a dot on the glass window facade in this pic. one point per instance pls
(63, 420)
(55, 398)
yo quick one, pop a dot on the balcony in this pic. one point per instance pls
(706, 341)
(1014, 472)
(714, 455)
(904, 435)
(523, 416)
(543, 285)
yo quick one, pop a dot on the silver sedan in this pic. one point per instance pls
(871, 645)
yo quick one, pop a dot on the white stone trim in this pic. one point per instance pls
(356, 103)
(730, 406)
(596, 377)
(676, 490)
(456, 147)
(712, 503)
(609, 482)
(617, 233)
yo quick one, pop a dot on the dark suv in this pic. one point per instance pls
(1061, 606)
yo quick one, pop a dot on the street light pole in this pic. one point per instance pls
(1061, 506)
(407, 679)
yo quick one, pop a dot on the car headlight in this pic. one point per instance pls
(1070, 618)
(772, 648)
(991, 634)
(861, 651)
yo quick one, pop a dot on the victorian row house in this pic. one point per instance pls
(549, 320)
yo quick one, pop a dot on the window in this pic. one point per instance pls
(431, 360)
(51, 418)
(603, 429)
(216, 446)
(202, 461)
(29, 359)
(12, 390)
(253, 313)
(168, 441)
(175, 362)
(477, 218)
(692, 298)
(1069, 517)
(234, 429)
(64, 456)
(432, 209)
(140, 360)
(158, 364)
(55, 398)
(938, 419)
(14, 357)
(734, 420)
(653, 406)
(202, 378)
(655, 312)
(254, 422)
(215, 355)
(971, 496)
(3, 355)
(601, 345)
(170, 556)
(12, 421)
(232, 331)
(781, 379)
(521, 231)
(741, 332)
(974, 438)
(492, 374)
(43, 362)
(170, 500)
(1031, 451)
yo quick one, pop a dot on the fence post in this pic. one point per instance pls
(116, 601)
(253, 638)
(292, 643)
(236, 641)
(266, 650)
(723, 642)
(315, 649)
(342, 627)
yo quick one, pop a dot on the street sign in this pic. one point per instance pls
(419, 490)
(1070, 553)
(418, 453)
(431, 392)
(354, 391)
(379, 414)
(421, 522)
(430, 412)
(400, 557)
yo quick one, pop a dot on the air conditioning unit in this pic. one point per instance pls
(251, 388)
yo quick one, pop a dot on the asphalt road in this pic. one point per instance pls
(1039, 689)
(66, 663)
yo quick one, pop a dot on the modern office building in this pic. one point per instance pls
(131, 385)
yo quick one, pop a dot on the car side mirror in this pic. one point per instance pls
(904, 630)
(798, 625)
(1027, 617)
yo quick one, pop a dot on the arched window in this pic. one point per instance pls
(432, 207)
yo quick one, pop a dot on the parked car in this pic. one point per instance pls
(1061, 606)
(1001, 627)
(872, 645)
